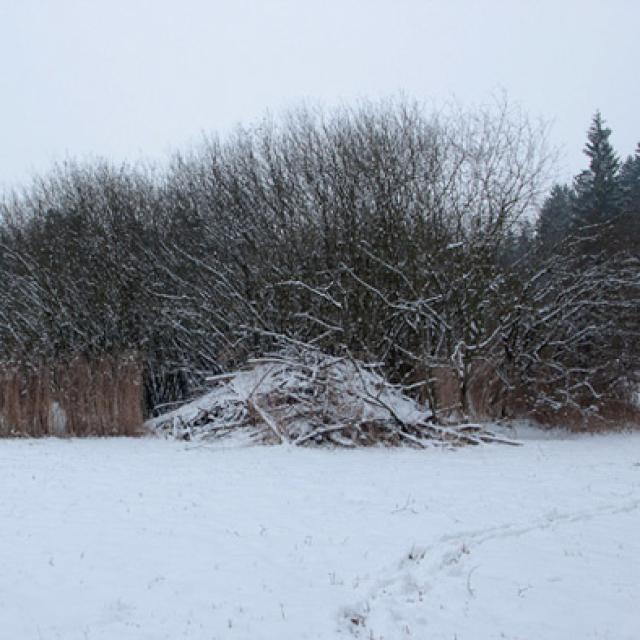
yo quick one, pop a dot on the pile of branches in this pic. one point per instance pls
(305, 397)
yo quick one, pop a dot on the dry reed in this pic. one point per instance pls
(80, 397)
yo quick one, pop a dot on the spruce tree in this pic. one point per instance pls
(598, 196)
(630, 196)
(630, 182)
(554, 221)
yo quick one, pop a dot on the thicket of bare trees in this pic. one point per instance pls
(380, 231)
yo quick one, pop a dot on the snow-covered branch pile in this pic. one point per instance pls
(306, 397)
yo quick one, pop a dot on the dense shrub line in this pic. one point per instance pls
(381, 231)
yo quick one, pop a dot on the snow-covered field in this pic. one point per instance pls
(149, 539)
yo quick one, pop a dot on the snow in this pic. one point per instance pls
(150, 538)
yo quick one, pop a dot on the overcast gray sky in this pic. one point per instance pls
(127, 79)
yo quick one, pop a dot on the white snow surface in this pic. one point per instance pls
(148, 539)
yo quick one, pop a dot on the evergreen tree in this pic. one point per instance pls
(517, 244)
(630, 195)
(598, 196)
(554, 221)
(630, 183)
